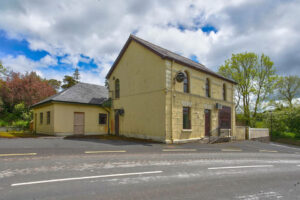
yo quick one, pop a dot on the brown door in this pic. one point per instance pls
(207, 122)
(35, 121)
(225, 117)
(117, 122)
(79, 123)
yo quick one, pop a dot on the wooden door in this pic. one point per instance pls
(225, 117)
(207, 122)
(117, 116)
(35, 122)
(78, 123)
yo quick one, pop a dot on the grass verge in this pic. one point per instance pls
(17, 134)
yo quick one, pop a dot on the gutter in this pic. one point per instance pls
(108, 118)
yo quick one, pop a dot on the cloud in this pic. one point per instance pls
(22, 64)
(98, 29)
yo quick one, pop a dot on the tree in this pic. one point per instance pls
(255, 76)
(3, 70)
(289, 88)
(28, 88)
(68, 81)
(54, 83)
(76, 75)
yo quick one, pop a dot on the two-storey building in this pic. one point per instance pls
(157, 94)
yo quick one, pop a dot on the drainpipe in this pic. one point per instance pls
(108, 118)
(172, 93)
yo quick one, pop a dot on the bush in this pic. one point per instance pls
(3, 123)
(21, 124)
(284, 123)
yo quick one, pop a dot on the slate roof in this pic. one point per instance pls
(166, 54)
(82, 93)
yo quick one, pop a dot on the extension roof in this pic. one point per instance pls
(166, 54)
(81, 93)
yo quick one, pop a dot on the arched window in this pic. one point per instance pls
(117, 88)
(207, 88)
(186, 83)
(224, 92)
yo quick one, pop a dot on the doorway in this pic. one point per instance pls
(117, 117)
(78, 123)
(207, 122)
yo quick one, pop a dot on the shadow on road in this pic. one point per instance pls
(112, 140)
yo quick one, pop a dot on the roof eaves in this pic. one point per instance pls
(58, 101)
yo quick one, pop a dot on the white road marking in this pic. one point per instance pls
(119, 151)
(268, 151)
(231, 149)
(285, 146)
(18, 154)
(85, 177)
(298, 165)
(179, 150)
(240, 167)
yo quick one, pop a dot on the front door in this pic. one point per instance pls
(207, 122)
(35, 121)
(117, 116)
(78, 123)
(225, 118)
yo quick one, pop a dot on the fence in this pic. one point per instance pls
(244, 133)
(258, 133)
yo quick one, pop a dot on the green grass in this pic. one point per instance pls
(16, 134)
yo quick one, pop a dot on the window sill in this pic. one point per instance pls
(186, 130)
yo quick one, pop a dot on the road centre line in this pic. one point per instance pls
(176, 150)
(85, 177)
(18, 154)
(231, 150)
(240, 167)
(118, 151)
(268, 151)
(285, 146)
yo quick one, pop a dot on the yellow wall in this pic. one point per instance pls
(142, 93)
(43, 128)
(153, 101)
(197, 100)
(62, 119)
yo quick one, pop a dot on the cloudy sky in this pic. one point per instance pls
(54, 37)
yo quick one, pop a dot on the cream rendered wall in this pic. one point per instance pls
(142, 93)
(44, 128)
(197, 100)
(64, 118)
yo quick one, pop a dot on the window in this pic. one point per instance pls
(186, 117)
(186, 83)
(117, 88)
(207, 88)
(102, 118)
(224, 92)
(41, 118)
(48, 117)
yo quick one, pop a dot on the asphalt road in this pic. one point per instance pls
(74, 169)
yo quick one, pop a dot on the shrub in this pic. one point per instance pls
(21, 124)
(3, 123)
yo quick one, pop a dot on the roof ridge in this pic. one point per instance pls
(138, 38)
(166, 54)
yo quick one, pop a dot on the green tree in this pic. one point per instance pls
(289, 88)
(3, 70)
(255, 76)
(68, 81)
(54, 83)
(76, 75)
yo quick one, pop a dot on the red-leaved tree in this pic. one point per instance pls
(28, 88)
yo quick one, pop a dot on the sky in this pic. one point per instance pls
(54, 37)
